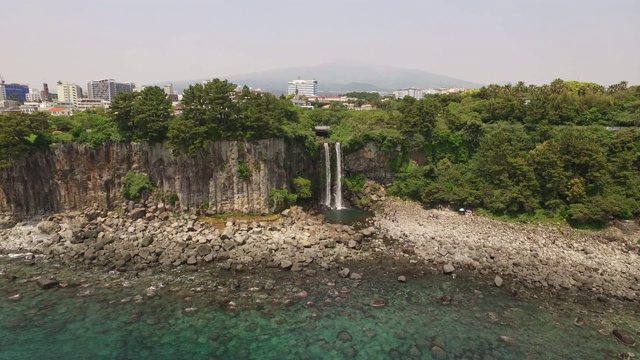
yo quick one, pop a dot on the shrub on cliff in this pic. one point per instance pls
(281, 198)
(134, 184)
(302, 187)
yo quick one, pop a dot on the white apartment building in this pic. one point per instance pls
(69, 93)
(33, 96)
(168, 89)
(3, 92)
(413, 92)
(303, 87)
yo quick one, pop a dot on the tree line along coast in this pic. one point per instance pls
(526, 152)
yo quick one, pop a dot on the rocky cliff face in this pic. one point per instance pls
(376, 164)
(229, 176)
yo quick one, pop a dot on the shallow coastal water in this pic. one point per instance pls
(189, 316)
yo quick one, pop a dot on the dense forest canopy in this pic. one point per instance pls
(512, 149)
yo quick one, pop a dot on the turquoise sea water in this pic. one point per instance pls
(110, 316)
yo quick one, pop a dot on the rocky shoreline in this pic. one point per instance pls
(149, 237)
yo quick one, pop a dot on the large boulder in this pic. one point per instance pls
(47, 283)
(624, 338)
(227, 233)
(49, 227)
(448, 268)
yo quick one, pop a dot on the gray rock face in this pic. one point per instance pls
(73, 176)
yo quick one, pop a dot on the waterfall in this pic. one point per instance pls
(338, 188)
(327, 175)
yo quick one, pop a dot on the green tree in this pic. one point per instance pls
(143, 116)
(20, 134)
(502, 170)
(209, 113)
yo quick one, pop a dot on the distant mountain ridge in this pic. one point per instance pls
(340, 77)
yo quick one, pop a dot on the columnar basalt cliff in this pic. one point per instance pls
(228, 176)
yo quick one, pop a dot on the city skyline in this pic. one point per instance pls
(162, 41)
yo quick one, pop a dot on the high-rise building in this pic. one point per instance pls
(44, 94)
(168, 89)
(15, 92)
(69, 93)
(303, 87)
(107, 89)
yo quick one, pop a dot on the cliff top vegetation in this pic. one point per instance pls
(516, 150)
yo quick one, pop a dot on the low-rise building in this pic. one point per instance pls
(60, 111)
(84, 104)
(29, 109)
(9, 106)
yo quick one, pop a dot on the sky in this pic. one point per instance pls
(153, 41)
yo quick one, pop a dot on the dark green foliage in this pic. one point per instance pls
(411, 182)
(142, 116)
(243, 169)
(94, 128)
(370, 97)
(20, 134)
(517, 151)
(215, 110)
(354, 184)
(302, 187)
(134, 184)
(279, 198)
(173, 199)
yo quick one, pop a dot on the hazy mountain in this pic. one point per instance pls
(341, 76)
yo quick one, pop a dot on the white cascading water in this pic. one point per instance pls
(327, 175)
(338, 187)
